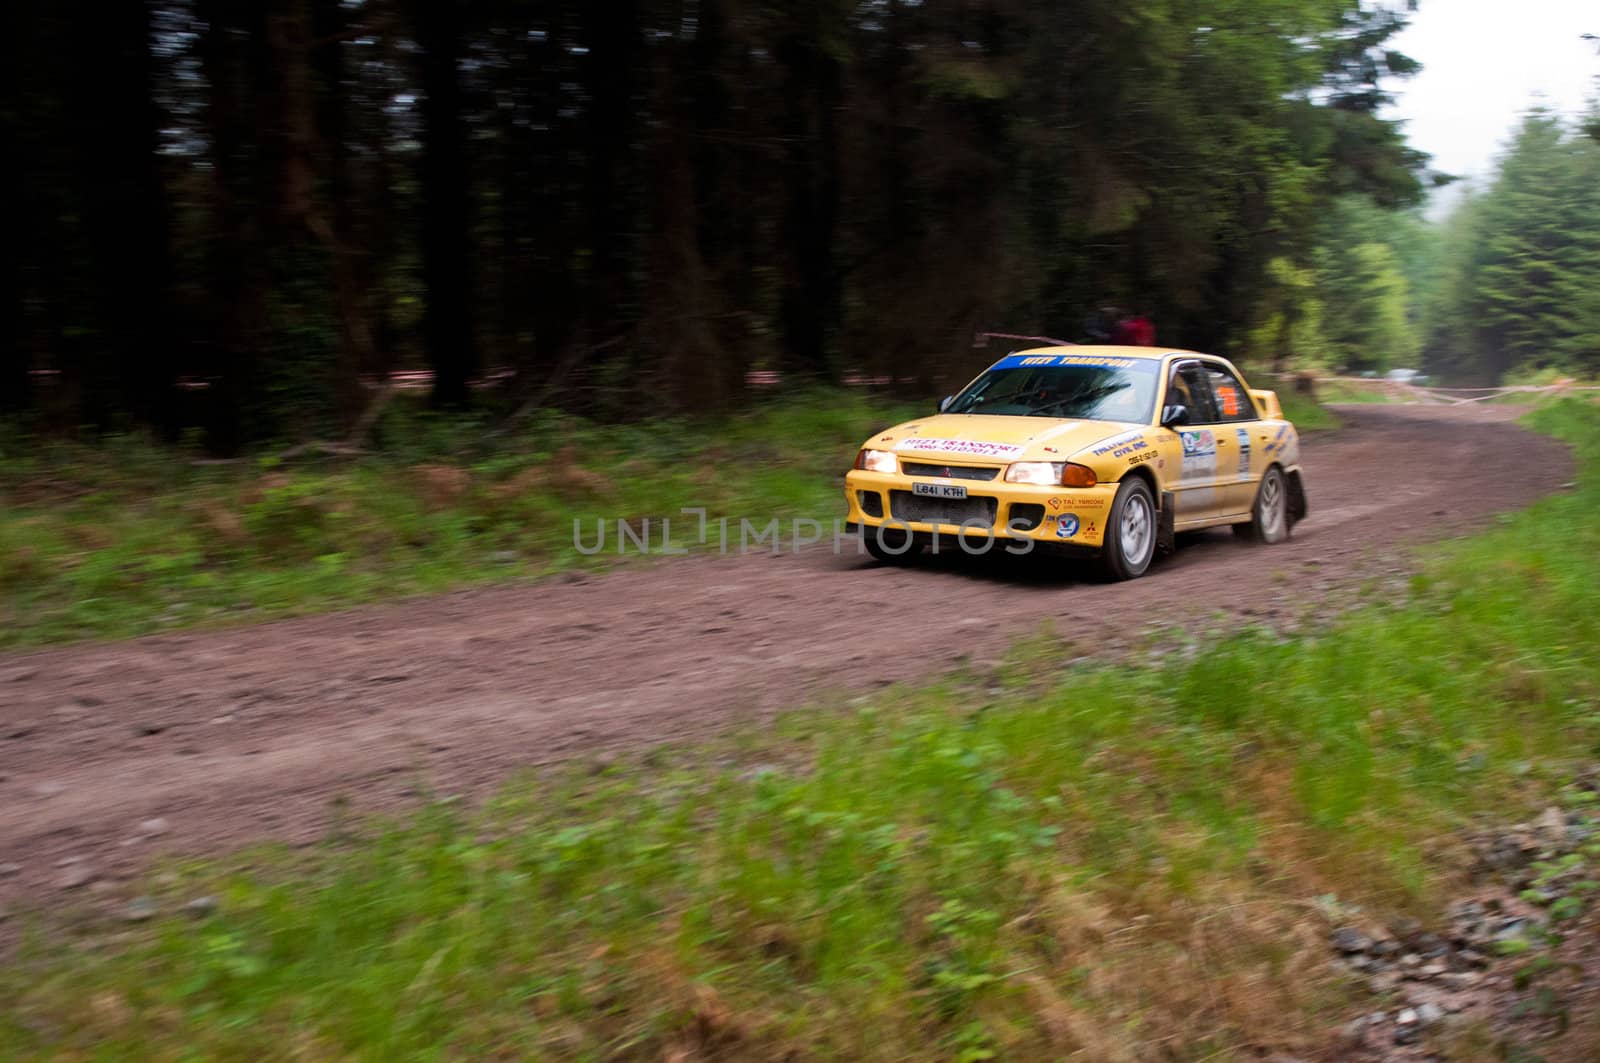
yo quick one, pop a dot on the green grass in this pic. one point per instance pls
(125, 538)
(1123, 862)
(1306, 415)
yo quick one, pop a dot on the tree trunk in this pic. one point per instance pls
(555, 306)
(125, 219)
(680, 305)
(615, 57)
(809, 304)
(517, 93)
(383, 214)
(234, 277)
(715, 157)
(337, 233)
(15, 383)
(447, 319)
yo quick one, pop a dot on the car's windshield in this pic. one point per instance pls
(1079, 386)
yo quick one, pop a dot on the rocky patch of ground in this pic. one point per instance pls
(1514, 972)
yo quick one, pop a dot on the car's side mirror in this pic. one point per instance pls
(944, 403)
(1175, 414)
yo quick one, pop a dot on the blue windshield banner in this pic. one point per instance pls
(1093, 361)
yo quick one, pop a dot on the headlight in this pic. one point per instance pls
(1047, 473)
(1050, 474)
(876, 461)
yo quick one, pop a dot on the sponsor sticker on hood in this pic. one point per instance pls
(975, 447)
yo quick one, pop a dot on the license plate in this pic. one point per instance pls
(939, 490)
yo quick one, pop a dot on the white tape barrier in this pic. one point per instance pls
(1451, 396)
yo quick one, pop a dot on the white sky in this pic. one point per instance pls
(1485, 62)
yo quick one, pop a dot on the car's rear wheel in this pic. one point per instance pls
(1269, 518)
(890, 545)
(1130, 542)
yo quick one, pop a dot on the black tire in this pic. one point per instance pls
(888, 550)
(1131, 531)
(1269, 517)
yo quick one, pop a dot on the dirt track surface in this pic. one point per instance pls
(250, 733)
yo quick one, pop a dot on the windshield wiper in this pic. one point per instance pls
(1082, 396)
(982, 400)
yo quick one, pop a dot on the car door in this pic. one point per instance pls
(1209, 454)
(1239, 423)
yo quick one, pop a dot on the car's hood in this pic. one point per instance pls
(977, 437)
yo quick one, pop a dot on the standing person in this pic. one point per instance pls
(1100, 324)
(1135, 330)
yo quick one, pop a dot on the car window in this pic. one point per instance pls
(1192, 388)
(1086, 387)
(1230, 398)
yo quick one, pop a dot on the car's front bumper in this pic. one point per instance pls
(1074, 516)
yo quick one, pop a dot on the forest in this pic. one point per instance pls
(234, 221)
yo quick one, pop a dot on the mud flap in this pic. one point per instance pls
(1298, 506)
(1166, 538)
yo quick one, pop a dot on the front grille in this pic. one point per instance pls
(871, 503)
(918, 509)
(949, 472)
(1026, 515)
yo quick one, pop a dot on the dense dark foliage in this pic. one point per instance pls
(230, 215)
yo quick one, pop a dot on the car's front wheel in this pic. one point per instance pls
(1130, 542)
(1269, 519)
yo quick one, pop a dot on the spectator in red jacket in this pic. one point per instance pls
(1135, 330)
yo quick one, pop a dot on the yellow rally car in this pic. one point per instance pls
(1111, 450)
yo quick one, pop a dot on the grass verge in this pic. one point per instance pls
(1307, 415)
(1058, 858)
(126, 538)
